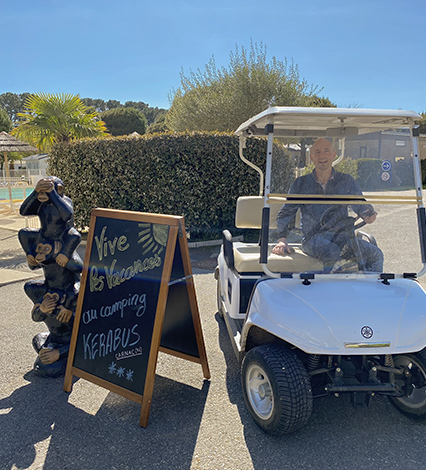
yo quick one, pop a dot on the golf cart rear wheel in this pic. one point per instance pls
(414, 403)
(276, 389)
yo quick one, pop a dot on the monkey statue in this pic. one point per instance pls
(52, 248)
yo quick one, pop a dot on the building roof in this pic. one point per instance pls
(36, 157)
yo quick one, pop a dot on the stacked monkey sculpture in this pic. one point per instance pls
(52, 248)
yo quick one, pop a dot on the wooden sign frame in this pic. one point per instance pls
(176, 262)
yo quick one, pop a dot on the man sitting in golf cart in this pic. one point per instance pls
(326, 235)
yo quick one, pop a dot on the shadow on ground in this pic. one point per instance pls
(343, 436)
(112, 438)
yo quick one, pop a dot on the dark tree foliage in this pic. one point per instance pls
(422, 123)
(159, 125)
(151, 114)
(112, 104)
(5, 122)
(101, 106)
(124, 121)
(137, 105)
(13, 104)
(97, 104)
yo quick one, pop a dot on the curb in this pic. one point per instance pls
(11, 276)
(212, 242)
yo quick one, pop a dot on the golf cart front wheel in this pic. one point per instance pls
(413, 404)
(276, 389)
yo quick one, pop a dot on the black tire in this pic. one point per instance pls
(276, 389)
(414, 404)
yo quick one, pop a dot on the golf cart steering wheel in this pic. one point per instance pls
(326, 222)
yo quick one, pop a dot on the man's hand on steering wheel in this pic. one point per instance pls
(282, 247)
(369, 217)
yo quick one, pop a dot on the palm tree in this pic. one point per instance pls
(49, 118)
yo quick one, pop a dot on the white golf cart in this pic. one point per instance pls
(302, 330)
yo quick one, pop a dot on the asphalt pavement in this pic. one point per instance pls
(193, 424)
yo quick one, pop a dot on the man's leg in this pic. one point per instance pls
(372, 256)
(321, 247)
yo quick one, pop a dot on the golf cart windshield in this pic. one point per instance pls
(341, 190)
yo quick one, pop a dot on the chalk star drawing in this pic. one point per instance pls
(120, 371)
(129, 375)
(112, 368)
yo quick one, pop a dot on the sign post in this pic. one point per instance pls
(137, 297)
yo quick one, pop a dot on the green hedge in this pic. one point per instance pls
(370, 171)
(423, 166)
(367, 172)
(347, 165)
(197, 175)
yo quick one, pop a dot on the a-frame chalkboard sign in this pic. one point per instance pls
(137, 297)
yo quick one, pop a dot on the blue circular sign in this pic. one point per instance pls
(386, 165)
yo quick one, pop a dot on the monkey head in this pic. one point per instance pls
(47, 185)
(46, 250)
(43, 252)
(52, 302)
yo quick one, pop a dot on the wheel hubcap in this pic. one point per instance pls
(259, 391)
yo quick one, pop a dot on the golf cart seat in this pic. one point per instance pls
(245, 257)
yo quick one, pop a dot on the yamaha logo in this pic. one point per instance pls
(367, 332)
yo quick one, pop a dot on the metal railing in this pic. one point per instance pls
(18, 176)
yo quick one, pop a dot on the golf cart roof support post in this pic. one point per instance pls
(269, 129)
(421, 215)
(416, 157)
(264, 236)
(421, 220)
(250, 164)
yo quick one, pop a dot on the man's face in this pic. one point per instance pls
(322, 154)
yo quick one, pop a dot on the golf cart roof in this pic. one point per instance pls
(333, 122)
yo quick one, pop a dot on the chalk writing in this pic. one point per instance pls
(104, 245)
(102, 344)
(115, 278)
(89, 315)
(131, 353)
(125, 290)
(96, 281)
(133, 300)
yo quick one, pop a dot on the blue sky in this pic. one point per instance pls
(368, 53)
